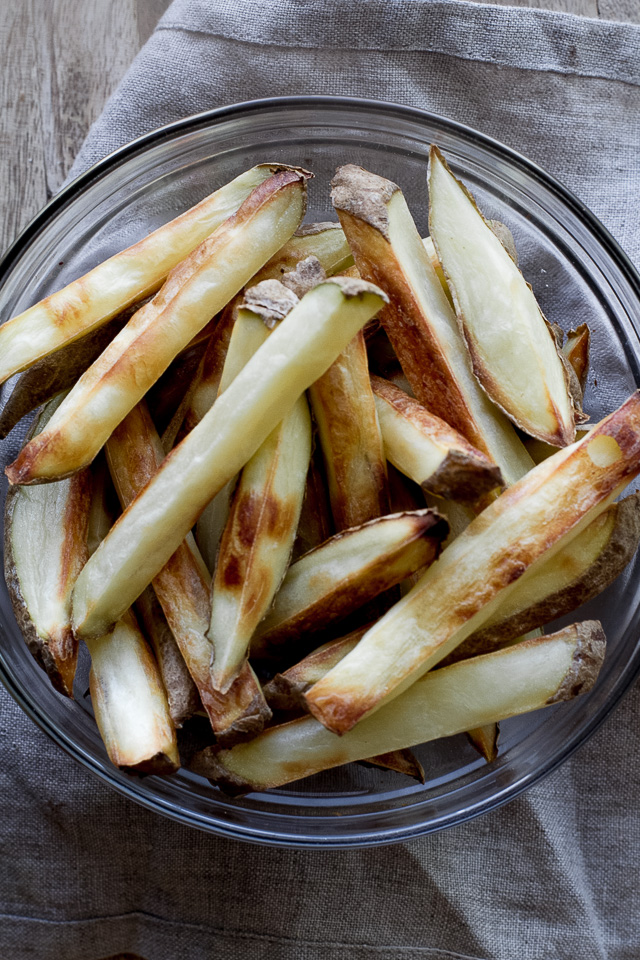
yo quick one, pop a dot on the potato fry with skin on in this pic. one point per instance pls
(153, 526)
(257, 541)
(428, 450)
(183, 585)
(45, 548)
(509, 340)
(535, 674)
(350, 439)
(196, 290)
(344, 573)
(324, 241)
(418, 319)
(121, 280)
(508, 541)
(129, 702)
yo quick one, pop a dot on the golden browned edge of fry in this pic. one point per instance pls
(58, 371)
(350, 439)
(285, 691)
(57, 655)
(430, 530)
(134, 454)
(466, 473)
(145, 358)
(577, 349)
(619, 550)
(182, 694)
(315, 524)
(360, 200)
(565, 433)
(485, 740)
(398, 761)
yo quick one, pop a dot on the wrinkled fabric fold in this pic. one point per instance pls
(551, 876)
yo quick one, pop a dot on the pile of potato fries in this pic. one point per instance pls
(322, 484)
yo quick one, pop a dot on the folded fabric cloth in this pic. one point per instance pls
(550, 876)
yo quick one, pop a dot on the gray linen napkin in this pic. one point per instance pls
(552, 875)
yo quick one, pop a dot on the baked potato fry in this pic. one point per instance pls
(119, 281)
(508, 541)
(129, 702)
(182, 586)
(428, 450)
(341, 575)
(257, 541)
(153, 526)
(510, 342)
(445, 702)
(194, 292)
(349, 434)
(324, 241)
(419, 319)
(576, 349)
(45, 548)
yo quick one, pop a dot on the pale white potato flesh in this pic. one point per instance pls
(442, 703)
(513, 350)
(257, 541)
(528, 523)
(129, 702)
(304, 345)
(141, 352)
(119, 281)
(324, 241)
(428, 450)
(351, 568)
(419, 319)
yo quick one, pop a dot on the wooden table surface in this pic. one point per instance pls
(55, 79)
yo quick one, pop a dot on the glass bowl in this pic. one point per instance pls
(578, 273)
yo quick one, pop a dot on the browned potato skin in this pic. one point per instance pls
(344, 408)
(316, 523)
(617, 553)
(134, 453)
(576, 350)
(398, 761)
(423, 363)
(466, 472)
(485, 740)
(56, 654)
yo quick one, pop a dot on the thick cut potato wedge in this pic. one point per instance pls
(428, 450)
(465, 695)
(509, 340)
(182, 693)
(304, 345)
(577, 573)
(419, 320)
(257, 541)
(342, 574)
(182, 586)
(324, 241)
(45, 548)
(349, 434)
(129, 702)
(508, 541)
(196, 290)
(118, 282)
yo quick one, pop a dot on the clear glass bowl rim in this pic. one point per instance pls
(219, 115)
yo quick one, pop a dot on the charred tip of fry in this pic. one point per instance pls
(363, 195)
(313, 229)
(159, 765)
(249, 725)
(205, 764)
(587, 660)
(281, 693)
(460, 477)
(353, 287)
(307, 275)
(270, 300)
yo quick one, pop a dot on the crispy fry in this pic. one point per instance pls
(513, 536)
